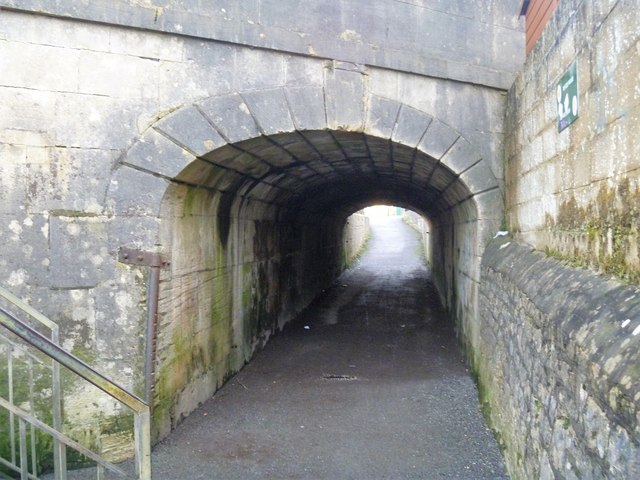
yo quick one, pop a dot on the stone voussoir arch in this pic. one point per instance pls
(183, 146)
(169, 145)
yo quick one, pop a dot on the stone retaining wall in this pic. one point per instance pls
(356, 234)
(421, 225)
(558, 366)
(575, 193)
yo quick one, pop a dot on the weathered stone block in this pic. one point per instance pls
(81, 123)
(231, 116)
(411, 126)
(295, 145)
(344, 99)
(269, 153)
(25, 240)
(307, 107)
(79, 251)
(441, 178)
(249, 164)
(460, 156)
(98, 71)
(270, 110)
(191, 131)
(301, 70)
(42, 67)
(133, 231)
(250, 68)
(384, 83)
(455, 193)
(381, 116)
(479, 178)
(490, 204)
(207, 69)
(158, 155)
(438, 139)
(135, 193)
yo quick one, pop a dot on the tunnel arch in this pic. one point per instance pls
(262, 185)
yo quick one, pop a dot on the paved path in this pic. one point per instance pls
(375, 388)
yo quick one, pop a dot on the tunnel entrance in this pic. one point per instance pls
(254, 231)
(368, 382)
(251, 197)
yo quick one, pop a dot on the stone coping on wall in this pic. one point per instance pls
(576, 332)
(492, 60)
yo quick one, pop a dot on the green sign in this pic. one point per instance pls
(567, 96)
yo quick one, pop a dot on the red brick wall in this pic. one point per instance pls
(538, 15)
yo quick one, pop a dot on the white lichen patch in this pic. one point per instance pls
(16, 229)
(73, 229)
(97, 260)
(626, 381)
(77, 295)
(84, 315)
(244, 108)
(17, 277)
(124, 301)
(611, 364)
(350, 36)
(582, 333)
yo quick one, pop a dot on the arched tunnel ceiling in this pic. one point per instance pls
(316, 173)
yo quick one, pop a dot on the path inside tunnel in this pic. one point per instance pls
(368, 383)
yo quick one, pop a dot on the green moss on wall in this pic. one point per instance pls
(602, 235)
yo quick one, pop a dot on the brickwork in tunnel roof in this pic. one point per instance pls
(312, 158)
(321, 170)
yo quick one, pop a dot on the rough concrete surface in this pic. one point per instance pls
(374, 388)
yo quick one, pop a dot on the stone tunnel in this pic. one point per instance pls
(231, 141)
(252, 191)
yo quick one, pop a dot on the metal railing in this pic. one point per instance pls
(23, 453)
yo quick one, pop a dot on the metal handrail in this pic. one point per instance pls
(25, 416)
(29, 310)
(59, 453)
(142, 417)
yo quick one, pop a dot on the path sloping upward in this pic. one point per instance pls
(374, 388)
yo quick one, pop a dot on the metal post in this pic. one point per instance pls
(152, 322)
(155, 261)
(32, 429)
(12, 425)
(59, 448)
(142, 439)
(24, 461)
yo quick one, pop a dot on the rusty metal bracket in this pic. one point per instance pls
(155, 261)
(133, 256)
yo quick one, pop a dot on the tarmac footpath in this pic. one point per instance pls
(368, 383)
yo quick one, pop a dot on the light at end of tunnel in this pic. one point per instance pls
(377, 211)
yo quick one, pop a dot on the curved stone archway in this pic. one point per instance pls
(249, 192)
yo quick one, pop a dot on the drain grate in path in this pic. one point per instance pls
(335, 376)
